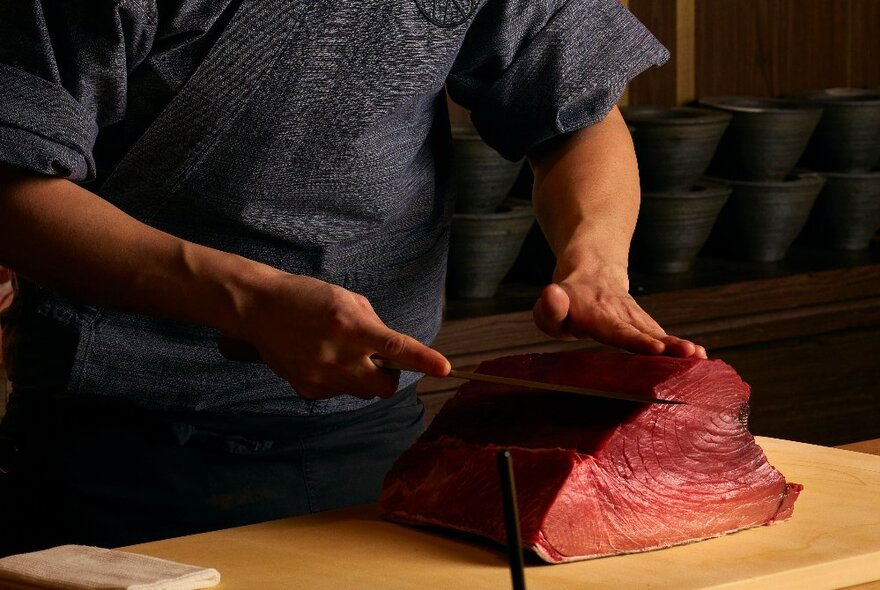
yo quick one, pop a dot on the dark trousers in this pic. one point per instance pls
(96, 473)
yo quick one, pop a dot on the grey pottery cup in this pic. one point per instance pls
(674, 225)
(483, 247)
(762, 218)
(674, 145)
(483, 176)
(847, 213)
(765, 138)
(847, 138)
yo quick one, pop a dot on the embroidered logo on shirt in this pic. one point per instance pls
(447, 13)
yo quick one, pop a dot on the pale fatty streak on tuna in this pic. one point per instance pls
(595, 477)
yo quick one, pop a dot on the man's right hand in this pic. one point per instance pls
(320, 337)
(317, 336)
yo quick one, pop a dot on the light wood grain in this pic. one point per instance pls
(833, 541)
(767, 48)
(685, 39)
(871, 447)
(657, 85)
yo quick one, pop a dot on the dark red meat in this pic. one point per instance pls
(594, 477)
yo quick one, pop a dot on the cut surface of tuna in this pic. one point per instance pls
(594, 477)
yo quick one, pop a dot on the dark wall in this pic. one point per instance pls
(761, 47)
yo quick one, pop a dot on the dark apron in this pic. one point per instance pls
(98, 473)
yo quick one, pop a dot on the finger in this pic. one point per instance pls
(359, 378)
(409, 352)
(551, 310)
(701, 352)
(373, 381)
(309, 383)
(678, 347)
(673, 345)
(618, 327)
(627, 336)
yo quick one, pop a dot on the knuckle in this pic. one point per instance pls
(361, 301)
(346, 311)
(622, 326)
(335, 298)
(395, 344)
(339, 319)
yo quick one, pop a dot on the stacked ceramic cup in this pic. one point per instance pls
(674, 147)
(846, 150)
(770, 199)
(487, 231)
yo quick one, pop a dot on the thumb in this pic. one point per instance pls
(551, 310)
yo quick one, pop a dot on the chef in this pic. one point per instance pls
(185, 173)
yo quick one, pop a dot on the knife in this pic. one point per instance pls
(468, 375)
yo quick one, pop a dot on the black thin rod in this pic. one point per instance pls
(511, 520)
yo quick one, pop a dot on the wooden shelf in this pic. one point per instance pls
(517, 295)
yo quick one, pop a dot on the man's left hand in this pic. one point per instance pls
(602, 309)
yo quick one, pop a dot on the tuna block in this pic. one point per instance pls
(594, 477)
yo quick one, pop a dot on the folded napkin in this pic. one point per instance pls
(78, 567)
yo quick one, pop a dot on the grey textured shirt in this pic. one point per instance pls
(312, 136)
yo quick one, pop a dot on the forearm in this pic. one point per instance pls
(586, 197)
(70, 240)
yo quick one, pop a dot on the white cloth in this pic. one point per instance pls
(78, 567)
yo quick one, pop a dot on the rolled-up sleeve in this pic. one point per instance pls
(63, 71)
(530, 71)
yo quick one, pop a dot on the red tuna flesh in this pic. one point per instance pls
(594, 477)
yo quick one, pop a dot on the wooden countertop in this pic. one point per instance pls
(872, 447)
(832, 542)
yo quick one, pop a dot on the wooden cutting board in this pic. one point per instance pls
(833, 541)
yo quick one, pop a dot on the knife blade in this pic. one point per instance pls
(471, 376)
(240, 351)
